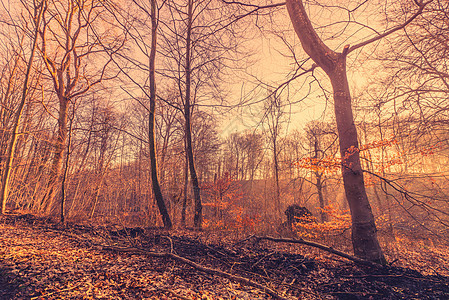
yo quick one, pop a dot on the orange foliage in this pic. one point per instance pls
(225, 198)
(379, 144)
(328, 164)
(431, 149)
(340, 221)
(332, 164)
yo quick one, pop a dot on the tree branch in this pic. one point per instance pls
(421, 5)
(355, 259)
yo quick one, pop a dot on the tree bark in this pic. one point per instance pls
(49, 200)
(184, 199)
(154, 176)
(364, 232)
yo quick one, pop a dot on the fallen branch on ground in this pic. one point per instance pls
(199, 267)
(355, 259)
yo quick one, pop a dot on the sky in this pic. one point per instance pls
(272, 66)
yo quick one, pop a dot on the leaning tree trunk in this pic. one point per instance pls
(154, 176)
(364, 232)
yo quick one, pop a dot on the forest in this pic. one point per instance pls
(285, 139)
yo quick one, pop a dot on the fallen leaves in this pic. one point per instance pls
(40, 264)
(46, 262)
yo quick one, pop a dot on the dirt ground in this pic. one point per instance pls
(44, 260)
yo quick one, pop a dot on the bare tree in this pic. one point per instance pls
(198, 216)
(154, 175)
(70, 40)
(137, 28)
(364, 236)
(198, 44)
(275, 117)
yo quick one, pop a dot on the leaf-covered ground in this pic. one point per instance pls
(42, 260)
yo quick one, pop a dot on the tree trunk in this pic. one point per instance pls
(198, 216)
(64, 176)
(184, 199)
(364, 232)
(49, 203)
(319, 184)
(276, 177)
(319, 187)
(154, 176)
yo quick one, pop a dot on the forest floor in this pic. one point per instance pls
(44, 260)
